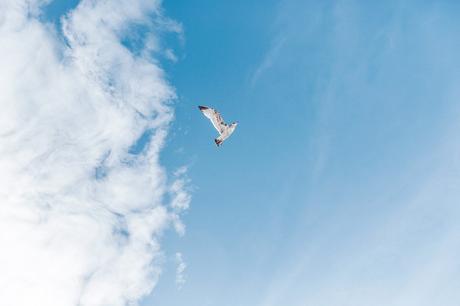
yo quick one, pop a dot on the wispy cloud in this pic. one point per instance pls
(81, 216)
(386, 100)
(269, 58)
(181, 266)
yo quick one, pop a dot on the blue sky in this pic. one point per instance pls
(340, 184)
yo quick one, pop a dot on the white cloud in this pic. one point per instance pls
(80, 216)
(181, 266)
(170, 55)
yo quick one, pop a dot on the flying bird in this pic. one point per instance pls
(225, 130)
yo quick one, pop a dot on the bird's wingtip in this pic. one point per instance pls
(202, 107)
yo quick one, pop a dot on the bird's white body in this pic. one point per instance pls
(225, 130)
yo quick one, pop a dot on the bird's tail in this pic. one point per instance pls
(217, 141)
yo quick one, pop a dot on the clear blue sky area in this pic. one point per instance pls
(340, 185)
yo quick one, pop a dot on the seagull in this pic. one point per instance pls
(224, 129)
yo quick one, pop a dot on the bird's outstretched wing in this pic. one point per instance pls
(215, 117)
